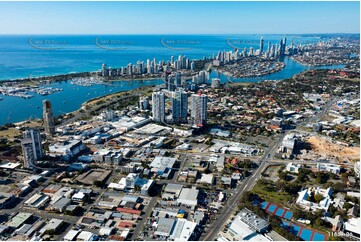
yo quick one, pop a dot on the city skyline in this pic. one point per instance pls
(180, 121)
(179, 17)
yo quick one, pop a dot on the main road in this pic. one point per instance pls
(247, 184)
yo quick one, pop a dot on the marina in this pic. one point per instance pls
(86, 82)
(26, 92)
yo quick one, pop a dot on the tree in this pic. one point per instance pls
(352, 199)
(347, 206)
(245, 164)
(280, 185)
(319, 222)
(322, 178)
(344, 176)
(283, 175)
(298, 213)
(338, 187)
(311, 197)
(318, 198)
(302, 175)
(274, 220)
(292, 188)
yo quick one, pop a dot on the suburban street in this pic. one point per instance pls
(147, 211)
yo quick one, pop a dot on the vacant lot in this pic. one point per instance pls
(325, 147)
(272, 173)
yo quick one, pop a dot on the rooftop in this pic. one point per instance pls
(252, 220)
(161, 162)
(19, 219)
(165, 226)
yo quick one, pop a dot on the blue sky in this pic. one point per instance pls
(179, 17)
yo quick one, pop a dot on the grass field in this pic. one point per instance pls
(273, 196)
(10, 133)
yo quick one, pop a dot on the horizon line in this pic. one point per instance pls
(354, 33)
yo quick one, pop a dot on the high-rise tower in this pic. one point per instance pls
(48, 118)
(261, 45)
(32, 147)
(199, 109)
(179, 106)
(158, 107)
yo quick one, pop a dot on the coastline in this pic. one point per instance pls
(67, 77)
(96, 74)
(84, 106)
(134, 92)
(61, 79)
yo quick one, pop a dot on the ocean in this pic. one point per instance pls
(45, 55)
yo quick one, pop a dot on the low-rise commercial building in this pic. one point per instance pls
(172, 191)
(335, 169)
(67, 149)
(37, 201)
(188, 196)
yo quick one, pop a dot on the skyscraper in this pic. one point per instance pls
(178, 79)
(199, 109)
(104, 70)
(171, 82)
(179, 106)
(193, 65)
(283, 46)
(276, 51)
(32, 147)
(130, 69)
(158, 106)
(172, 59)
(261, 46)
(201, 78)
(188, 65)
(48, 118)
(140, 66)
(165, 78)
